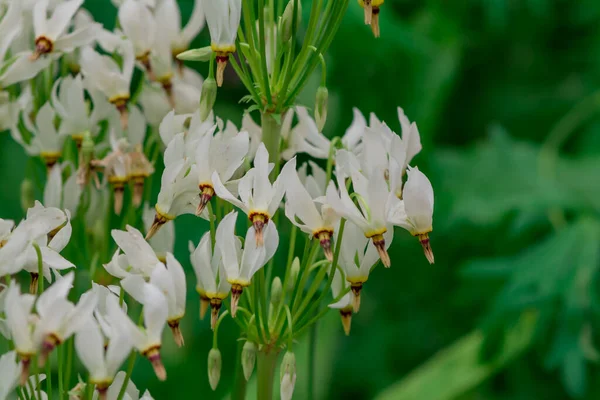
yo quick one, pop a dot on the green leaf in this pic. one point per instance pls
(457, 369)
(201, 54)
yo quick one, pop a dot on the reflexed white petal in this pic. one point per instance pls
(226, 241)
(89, 344)
(178, 276)
(418, 201)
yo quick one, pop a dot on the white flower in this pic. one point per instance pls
(17, 308)
(131, 392)
(147, 339)
(302, 211)
(402, 150)
(223, 18)
(10, 370)
(168, 18)
(139, 26)
(102, 364)
(141, 259)
(258, 198)
(316, 182)
(344, 305)
(373, 197)
(187, 87)
(117, 167)
(105, 74)
(46, 141)
(415, 212)
(212, 284)
(164, 240)
(357, 256)
(51, 33)
(218, 154)
(306, 138)
(241, 265)
(59, 318)
(171, 281)
(70, 104)
(62, 195)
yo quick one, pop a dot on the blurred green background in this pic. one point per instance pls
(506, 95)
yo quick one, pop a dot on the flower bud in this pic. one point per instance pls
(248, 359)
(214, 367)
(294, 273)
(287, 373)
(321, 107)
(27, 195)
(287, 18)
(201, 54)
(276, 291)
(208, 97)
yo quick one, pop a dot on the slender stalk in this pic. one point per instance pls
(213, 229)
(312, 350)
(69, 366)
(240, 384)
(38, 252)
(49, 378)
(263, 52)
(36, 372)
(130, 365)
(271, 136)
(61, 361)
(266, 361)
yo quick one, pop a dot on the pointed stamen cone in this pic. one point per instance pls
(368, 12)
(180, 64)
(221, 65)
(145, 60)
(48, 345)
(153, 355)
(33, 285)
(375, 22)
(176, 331)
(138, 191)
(158, 222)
(346, 314)
(102, 389)
(379, 243)
(258, 222)
(425, 243)
(236, 293)
(118, 192)
(325, 242)
(356, 289)
(206, 194)
(168, 88)
(204, 304)
(215, 307)
(25, 365)
(124, 114)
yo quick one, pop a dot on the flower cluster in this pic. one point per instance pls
(73, 103)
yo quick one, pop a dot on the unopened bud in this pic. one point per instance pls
(287, 377)
(201, 54)
(294, 273)
(276, 291)
(248, 359)
(27, 195)
(288, 17)
(321, 107)
(208, 97)
(214, 368)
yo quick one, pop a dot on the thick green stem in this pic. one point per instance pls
(266, 362)
(271, 136)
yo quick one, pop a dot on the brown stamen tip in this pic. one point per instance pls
(215, 307)
(102, 390)
(138, 191)
(221, 65)
(236, 293)
(156, 225)
(25, 365)
(177, 335)
(259, 221)
(375, 22)
(180, 64)
(368, 12)
(204, 304)
(356, 289)
(346, 315)
(33, 285)
(206, 193)
(48, 345)
(424, 239)
(121, 105)
(324, 238)
(153, 355)
(145, 60)
(118, 191)
(379, 243)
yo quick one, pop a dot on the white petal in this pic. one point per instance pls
(89, 344)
